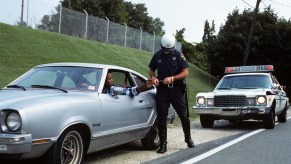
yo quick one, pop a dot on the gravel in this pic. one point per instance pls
(133, 153)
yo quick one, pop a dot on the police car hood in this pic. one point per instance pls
(235, 91)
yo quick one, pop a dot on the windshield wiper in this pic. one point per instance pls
(16, 86)
(248, 88)
(48, 87)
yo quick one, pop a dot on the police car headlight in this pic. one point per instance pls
(261, 99)
(13, 121)
(201, 101)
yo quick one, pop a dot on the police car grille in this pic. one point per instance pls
(229, 101)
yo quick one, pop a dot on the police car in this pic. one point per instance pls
(245, 92)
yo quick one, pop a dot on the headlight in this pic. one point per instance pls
(201, 101)
(261, 99)
(13, 121)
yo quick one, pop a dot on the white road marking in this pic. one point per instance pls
(213, 151)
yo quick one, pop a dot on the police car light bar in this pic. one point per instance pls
(257, 68)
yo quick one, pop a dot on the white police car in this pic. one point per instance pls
(246, 92)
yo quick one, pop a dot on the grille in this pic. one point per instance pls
(229, 101)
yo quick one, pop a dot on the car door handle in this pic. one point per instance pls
(141, 101)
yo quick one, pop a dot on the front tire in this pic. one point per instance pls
(283, 116)
(68, 149)
(152, 140)
(206, 121)
(269, 121)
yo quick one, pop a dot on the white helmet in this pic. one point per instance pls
(168, 42)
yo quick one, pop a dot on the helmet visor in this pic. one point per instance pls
(167, 50)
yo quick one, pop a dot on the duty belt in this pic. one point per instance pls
(172, 84)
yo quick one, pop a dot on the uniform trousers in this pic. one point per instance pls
(175, 96)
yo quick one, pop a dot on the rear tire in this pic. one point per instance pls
(206, 121)
(152, 140)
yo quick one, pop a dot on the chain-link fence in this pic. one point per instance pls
(65, 21)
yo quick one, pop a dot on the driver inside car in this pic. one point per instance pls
(110, 89)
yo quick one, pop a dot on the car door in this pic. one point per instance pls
(147, 104)
(281, 96)
(122, 115)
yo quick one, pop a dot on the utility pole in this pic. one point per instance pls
(21, 19)
(246, 54)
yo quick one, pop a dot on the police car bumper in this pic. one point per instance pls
(231, 111)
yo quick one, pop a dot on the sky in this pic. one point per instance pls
(176, 14)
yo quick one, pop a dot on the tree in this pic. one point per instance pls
(118, 11)
(195, 57)
(271, 43)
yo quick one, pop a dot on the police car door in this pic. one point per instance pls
(281, 96)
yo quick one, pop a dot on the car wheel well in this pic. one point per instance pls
(85, 132)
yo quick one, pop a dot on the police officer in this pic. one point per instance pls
(172, 69)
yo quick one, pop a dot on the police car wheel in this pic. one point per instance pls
(269, 121)
(206, 121)
(283, 116)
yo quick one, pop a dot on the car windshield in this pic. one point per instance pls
(65, 78)
(244, 82)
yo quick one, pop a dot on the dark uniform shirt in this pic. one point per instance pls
(168, 64)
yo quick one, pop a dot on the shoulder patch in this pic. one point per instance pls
(183, 57)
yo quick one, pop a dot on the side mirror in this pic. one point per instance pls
(275, 86)
(284, 88)
(118, 91)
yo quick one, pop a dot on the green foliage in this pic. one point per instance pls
(270, 43)
(118, 11)
(21, 49)
(195, 56)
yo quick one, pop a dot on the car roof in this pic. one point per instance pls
(69, 64)
(103, 66)
(243, 74)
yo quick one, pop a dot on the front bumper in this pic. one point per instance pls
(15, 143)
(232, 111)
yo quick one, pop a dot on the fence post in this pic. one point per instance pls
(154, 42)
(125, 34)
(86, 24)
(107, 29)
(27, 13)
(60, 19)
(140, 38)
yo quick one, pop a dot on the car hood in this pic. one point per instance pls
(246, 92)
(18, 99)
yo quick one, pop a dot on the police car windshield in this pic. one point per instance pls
(244, 82)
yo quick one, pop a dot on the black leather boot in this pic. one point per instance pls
(187, 133)
(163, 148)
(189, 142)
(163, 139)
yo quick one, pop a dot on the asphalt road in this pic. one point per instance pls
(265, 147)
(256, 145)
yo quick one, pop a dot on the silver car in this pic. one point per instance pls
(48, 113)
